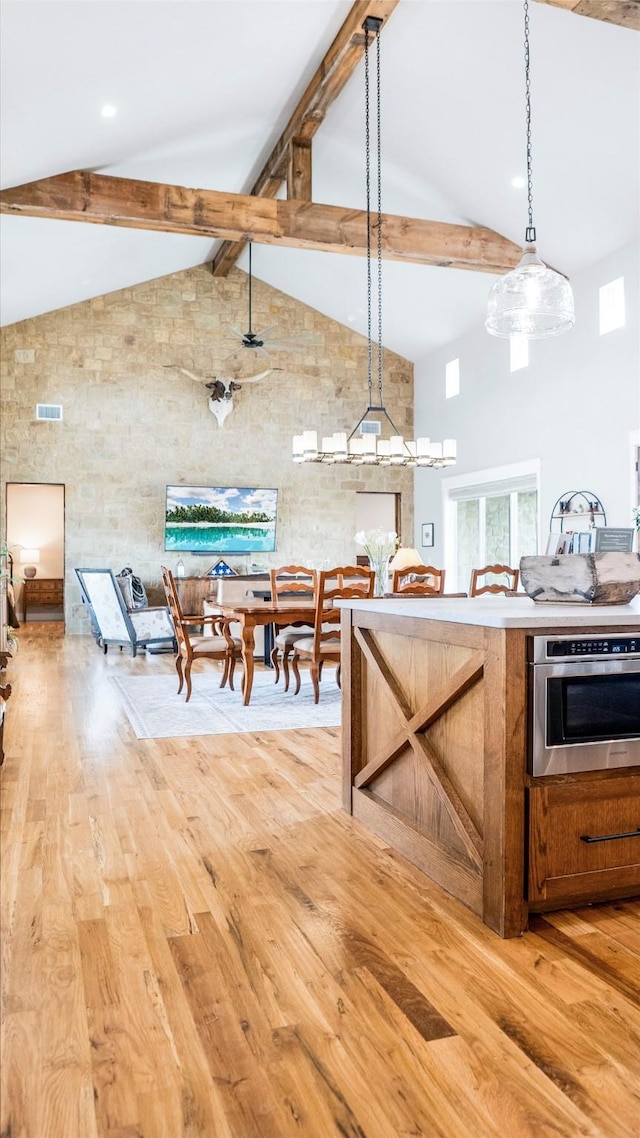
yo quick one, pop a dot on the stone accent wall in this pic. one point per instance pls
(131, 427)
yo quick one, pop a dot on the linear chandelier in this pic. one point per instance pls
(364, 446)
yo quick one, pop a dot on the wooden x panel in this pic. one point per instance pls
(411, 731)
(450, 800)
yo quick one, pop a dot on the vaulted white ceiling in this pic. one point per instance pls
(203, 88)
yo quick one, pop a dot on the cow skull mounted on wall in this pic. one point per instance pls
(221, 390)
(221, 398)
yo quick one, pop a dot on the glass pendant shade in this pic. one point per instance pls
(531, 301)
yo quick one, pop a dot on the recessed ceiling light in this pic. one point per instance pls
(518, 183)
(108, 111)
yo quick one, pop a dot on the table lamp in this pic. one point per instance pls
(29, 558)
(404, 558)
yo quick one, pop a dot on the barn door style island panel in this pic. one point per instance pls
(438, 744)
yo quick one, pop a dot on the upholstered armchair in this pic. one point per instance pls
(113, 623)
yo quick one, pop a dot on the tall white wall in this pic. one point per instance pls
(574, 407)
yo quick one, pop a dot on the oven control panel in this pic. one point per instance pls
(571, 648)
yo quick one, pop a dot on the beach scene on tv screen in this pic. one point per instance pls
(220, 519)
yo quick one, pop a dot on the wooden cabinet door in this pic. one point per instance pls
(584, 841)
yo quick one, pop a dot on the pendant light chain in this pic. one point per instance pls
(380, 401)
(365, 446)
(530, 235)
(379, 219)
(250, 282)
(367, 147)
(532, 300)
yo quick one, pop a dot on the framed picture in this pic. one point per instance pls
(554, 542)
(427, 534)
(609, 540)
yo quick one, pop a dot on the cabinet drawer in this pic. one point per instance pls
(563, 865)
(44, 592)
(45, 596)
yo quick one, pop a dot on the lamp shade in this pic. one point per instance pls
(531, 301)
(403, 558)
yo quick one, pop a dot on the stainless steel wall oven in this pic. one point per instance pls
(584, 703)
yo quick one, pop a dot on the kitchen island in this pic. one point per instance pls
(435, 735)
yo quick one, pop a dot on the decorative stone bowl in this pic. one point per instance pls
(582, 578)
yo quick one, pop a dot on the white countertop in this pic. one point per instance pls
(503, 612)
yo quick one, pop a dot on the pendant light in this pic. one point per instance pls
(532, 300)
(365, 446)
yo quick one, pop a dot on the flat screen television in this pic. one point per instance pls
(220, 519)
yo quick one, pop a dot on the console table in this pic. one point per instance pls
(42, 592)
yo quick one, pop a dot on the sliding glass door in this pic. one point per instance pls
(489, 522)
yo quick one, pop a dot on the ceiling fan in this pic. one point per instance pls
(256, 347)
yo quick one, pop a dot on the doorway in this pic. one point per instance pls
(377, 511)
(35, 537)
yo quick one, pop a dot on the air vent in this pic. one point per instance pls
(52, 412)
(370, 427)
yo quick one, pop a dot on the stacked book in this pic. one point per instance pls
(601, 539)
(582, 541)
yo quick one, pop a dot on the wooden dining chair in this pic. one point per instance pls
(192, 646)
(478, 587)
(333, 584)
(419, 580)
(289, 579)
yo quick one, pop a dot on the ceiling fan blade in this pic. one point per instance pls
(282, 347)
(266, 332)
(245, 362)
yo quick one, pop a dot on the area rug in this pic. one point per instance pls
(155, 711)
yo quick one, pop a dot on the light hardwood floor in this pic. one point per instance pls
(198, 941)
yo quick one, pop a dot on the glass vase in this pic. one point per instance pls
(380, 566)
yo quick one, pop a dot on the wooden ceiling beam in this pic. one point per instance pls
(105, 200)
(299, 171)
(625, 13)
(338, 65)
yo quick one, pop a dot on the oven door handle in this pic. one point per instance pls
(611, 837)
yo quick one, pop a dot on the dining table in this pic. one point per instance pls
(249, 613)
